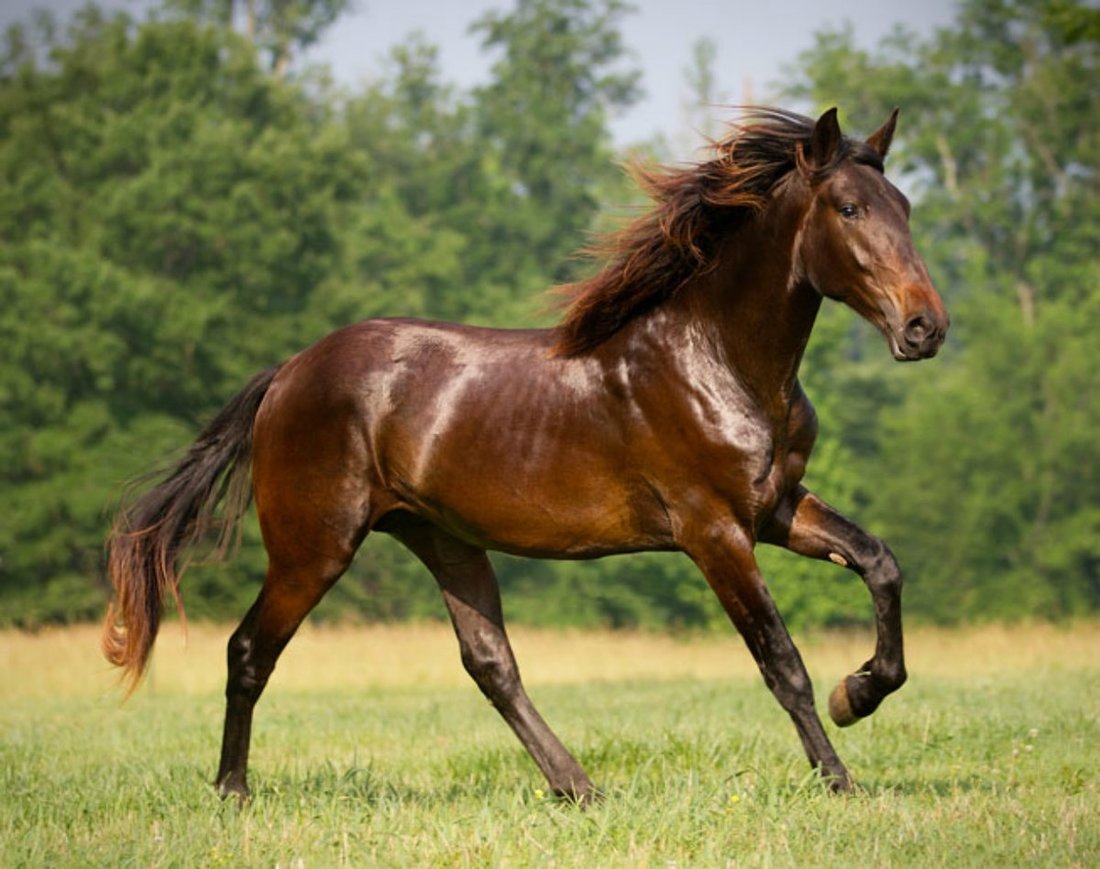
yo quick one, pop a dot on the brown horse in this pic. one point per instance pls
(663, 413)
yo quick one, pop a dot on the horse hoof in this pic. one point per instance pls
(841, 784)
(238, 792)
(582, 798)
(840, 707)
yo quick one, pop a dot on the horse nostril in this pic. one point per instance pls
(918, 329)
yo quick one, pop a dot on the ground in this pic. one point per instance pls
(373, 748)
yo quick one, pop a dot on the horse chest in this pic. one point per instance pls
(770, 486)
(754, 472)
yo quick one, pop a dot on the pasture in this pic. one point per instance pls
(373, 748)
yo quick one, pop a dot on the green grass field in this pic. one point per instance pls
(372, 748)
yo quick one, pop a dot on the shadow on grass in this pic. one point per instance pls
(503, 778)
(911, 786)
(480, 778)
(372, 789)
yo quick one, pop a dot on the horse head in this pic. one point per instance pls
(855, 245)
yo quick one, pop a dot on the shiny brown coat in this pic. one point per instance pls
(663, 413)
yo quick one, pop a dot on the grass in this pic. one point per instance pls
(372, 748)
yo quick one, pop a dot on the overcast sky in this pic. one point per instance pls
(755, 40)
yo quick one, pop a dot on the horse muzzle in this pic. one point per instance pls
(919, 337)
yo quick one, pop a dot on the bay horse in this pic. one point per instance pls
(663, 412)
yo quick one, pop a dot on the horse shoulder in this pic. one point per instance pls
(768, 461)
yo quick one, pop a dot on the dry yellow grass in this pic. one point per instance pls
(66, 662)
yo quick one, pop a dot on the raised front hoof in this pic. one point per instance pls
(840, 705)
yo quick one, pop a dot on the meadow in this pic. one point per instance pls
(372, 748)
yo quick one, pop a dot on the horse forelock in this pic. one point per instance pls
(652, 257)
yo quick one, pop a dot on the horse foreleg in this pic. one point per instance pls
(472, 595)
(807, 525)
(726, 559)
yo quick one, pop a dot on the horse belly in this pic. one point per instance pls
(575, 514)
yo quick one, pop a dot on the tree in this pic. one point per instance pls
(174, 217)
(168, 211)
(703, 93)
(557, 81)
(986, 479)
(278, 28)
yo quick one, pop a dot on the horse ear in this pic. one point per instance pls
(824, 141)
(882, 137)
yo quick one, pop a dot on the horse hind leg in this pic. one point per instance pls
(472, 595)
(306, 557)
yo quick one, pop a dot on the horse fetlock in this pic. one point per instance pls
(889, 677)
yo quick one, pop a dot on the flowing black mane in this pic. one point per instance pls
(655, 255)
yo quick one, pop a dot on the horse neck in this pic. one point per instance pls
(753, 311)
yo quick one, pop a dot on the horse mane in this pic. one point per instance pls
(649, 259)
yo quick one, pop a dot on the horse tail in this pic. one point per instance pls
(148, 534)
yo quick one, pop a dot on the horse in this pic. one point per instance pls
(662, 412)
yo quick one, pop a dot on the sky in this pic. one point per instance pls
(755, 39)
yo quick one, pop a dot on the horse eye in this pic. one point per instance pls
(849, 211)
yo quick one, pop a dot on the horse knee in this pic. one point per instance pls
(880, 568)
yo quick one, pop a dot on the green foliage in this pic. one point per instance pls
(178, 210)
(175, 217)
(545, 116)
(278, 28)
(984, 474)
(1017, 532)
(168, 209)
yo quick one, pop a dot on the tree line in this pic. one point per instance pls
(182, 205)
